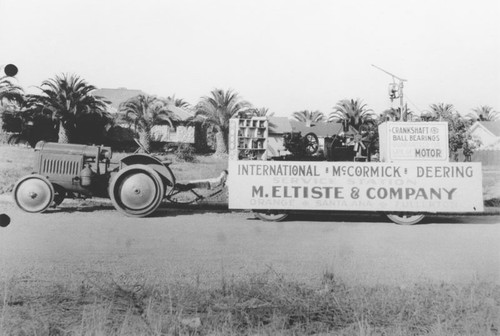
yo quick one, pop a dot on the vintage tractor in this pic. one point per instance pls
(136, 186)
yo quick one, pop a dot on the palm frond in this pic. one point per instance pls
(308, 116)
(354, 111)
(219, 107)
(68, 96)
(486, 113)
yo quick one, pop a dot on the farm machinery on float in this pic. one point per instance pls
(280, 172)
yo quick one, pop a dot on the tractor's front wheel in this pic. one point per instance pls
(33, 193)
(136, 190)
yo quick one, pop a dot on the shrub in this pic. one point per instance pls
(185, 152)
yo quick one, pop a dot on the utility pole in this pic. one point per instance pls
(393, 93)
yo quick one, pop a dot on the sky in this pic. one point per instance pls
(285, 55)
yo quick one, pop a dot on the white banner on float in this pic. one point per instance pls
(293, 185)
(413, 141)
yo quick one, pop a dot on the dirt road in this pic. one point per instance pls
(177, 244)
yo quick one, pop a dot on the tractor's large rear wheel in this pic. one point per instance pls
(136, 190)
(34, 193)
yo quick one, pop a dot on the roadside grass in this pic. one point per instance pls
(260, 304)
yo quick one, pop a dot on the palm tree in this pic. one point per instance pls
(439, 112)
(394, 114)
(391, 114)
(216, 110)
(11, 96)
(486, 113)
(354, 111)
(458, 127)
(37, 122)
(10, 92)
(261, 112)
(144, 111)
(177, 102)
(308, 117)
(68, 97)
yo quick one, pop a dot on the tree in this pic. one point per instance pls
(36, 121)
(215, 110)
(355, 112)
(260, 112)
(11, 97)
(458, 128)
(486, 113)
(409, 115)
(177, 102)
(308, 117)
(439, 112)
(67, 98)
(459, 136)
(391, 114)
(10, 92)
(145, 111)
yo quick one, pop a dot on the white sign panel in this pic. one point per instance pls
(422, 187)
(164, 133)
(413, 141)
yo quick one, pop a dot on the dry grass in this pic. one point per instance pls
(263, 304)
(15, 163)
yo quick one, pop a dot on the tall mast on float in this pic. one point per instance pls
(395, 90)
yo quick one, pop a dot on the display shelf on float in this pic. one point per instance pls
(248, 138)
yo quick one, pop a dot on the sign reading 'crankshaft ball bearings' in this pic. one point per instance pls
(404, 186)
(413, 141)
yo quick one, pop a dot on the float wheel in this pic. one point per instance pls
(270, 216)
(405, 219)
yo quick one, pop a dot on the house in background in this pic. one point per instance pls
(181, 132)
(277, 127)
(116, 97)
(488, 132)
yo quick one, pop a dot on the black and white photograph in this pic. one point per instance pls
(249, 167)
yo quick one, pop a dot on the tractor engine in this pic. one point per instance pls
(75, 168)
